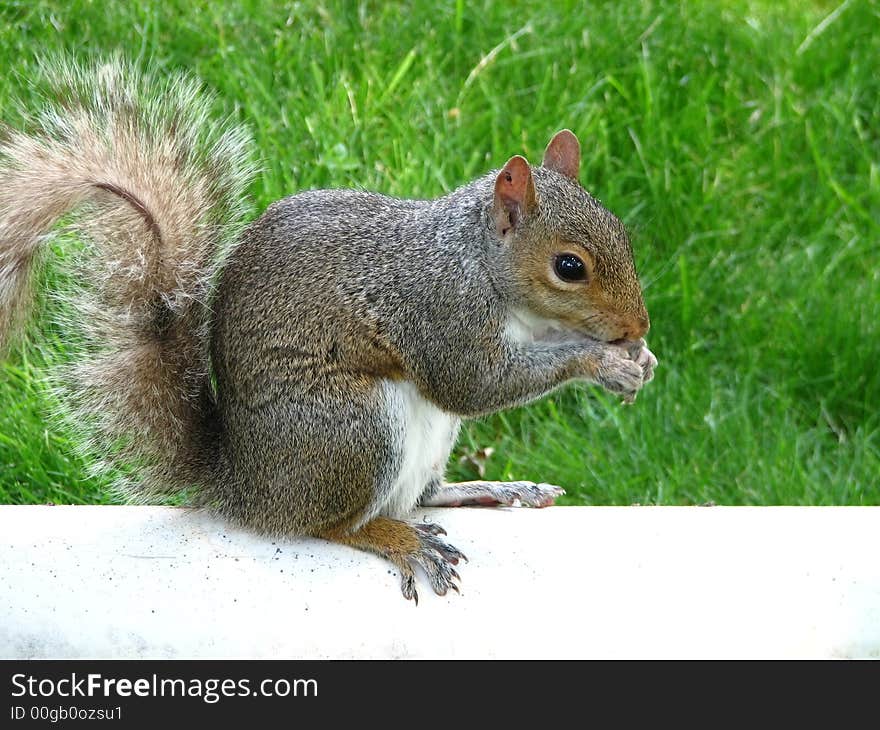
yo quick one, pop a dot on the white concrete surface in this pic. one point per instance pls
(559, 582)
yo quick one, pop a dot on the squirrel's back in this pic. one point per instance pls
(325, 276)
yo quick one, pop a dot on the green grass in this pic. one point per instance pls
(738, 140)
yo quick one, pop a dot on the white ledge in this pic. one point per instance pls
(561, 582)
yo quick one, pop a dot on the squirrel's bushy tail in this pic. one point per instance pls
(154, 189)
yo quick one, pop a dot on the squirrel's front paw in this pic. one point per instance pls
(642, 356)
(618, 373)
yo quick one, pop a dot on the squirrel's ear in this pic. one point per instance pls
(514, 194)
(563, 154)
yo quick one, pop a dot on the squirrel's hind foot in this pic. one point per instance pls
(406, 545)
(435, 556)
(483, 493)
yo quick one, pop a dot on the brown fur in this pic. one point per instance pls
(609, 304)
(382, 535)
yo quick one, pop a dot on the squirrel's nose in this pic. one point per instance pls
(637, 328)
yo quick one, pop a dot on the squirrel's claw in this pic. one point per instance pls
(429, 528)
(436, 557)
(439, 570)
(408, 583)
(447, 551)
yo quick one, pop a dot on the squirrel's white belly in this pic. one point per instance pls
(425, 435)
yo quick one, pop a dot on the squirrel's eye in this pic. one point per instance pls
(570, 268)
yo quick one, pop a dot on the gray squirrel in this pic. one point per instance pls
(306, 374)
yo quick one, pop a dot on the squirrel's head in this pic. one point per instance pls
(571, 258)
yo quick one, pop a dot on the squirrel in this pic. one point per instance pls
(307, 373)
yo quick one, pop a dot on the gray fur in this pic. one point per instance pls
(405, 289)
